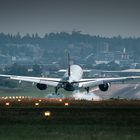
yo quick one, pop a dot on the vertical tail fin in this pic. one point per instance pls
(68, 64)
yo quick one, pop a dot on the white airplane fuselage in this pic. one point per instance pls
(72, 80)
(76, 74)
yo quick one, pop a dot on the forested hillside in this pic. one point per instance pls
(53, 46)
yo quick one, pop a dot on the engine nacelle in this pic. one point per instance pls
(41, 86)
(104, 87)
(69, 87)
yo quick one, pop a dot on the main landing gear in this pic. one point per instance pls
(56, 90)
(56, 94)
(87, 89)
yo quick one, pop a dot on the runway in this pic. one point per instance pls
(58, 119)
(122, 91)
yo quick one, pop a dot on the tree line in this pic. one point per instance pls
(54, 45)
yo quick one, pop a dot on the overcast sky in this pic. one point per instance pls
(96, 17)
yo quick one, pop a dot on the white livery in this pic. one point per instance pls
(72, 80)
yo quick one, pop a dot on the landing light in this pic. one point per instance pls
(60, 100)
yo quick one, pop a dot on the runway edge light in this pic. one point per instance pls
(7, 103)
(36, 104)
(47, 113)
(66, 104)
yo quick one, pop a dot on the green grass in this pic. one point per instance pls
(82, 120)
(70, 123)
(31, 91)
(67, 132)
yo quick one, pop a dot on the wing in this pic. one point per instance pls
(48, 81)
(98, 81)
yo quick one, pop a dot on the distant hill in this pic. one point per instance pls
(53, 46)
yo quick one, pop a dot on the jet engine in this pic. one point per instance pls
(104, 87)
(69, 87)
(41, 86)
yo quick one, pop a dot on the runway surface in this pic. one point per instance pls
(125, 91)
(122, 91)
(61, 119)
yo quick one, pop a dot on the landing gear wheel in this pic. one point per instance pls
(87, 89)
(54, 95)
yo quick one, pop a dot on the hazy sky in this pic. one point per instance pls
(96, 17)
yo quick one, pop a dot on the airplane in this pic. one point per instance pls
(72, 80)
